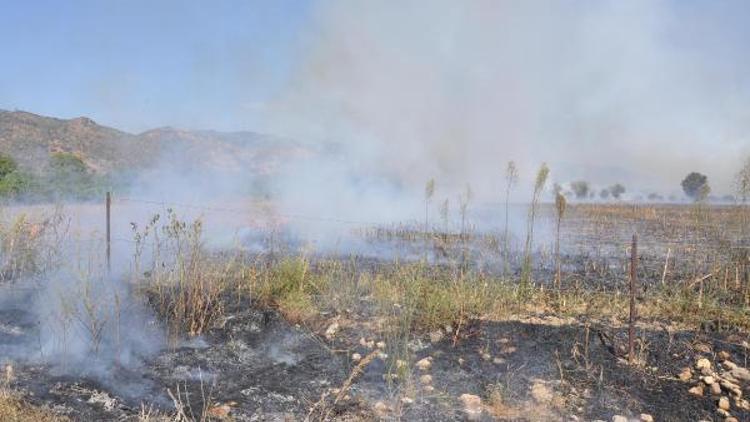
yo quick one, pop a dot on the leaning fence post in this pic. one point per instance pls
(109, 239)
(633, 280)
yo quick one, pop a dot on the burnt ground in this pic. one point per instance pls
(255, 366)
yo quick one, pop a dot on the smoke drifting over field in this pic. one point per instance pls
(637, 92)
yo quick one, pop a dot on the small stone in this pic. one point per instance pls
(366, 343)
(448, 328)
(486, 356)
(436, 336)
(380, 345)
(332, 330)
(619, 418)
(220, 412)
(356, 357)
(472, 406)
(709, 380)
(742, 404)
(723, 403)
(715, 389)
(428, 388)
(645, 417)
(697, 390)
(722, 412)
(498, 361)
(702, 347)
(381, 409)
(731, 387)
(740, 373)
(730, 419)
(424, 364)
(723, 355)
(685, 375)
(703, 363)
(728, 364)
(461, 361)
(406, 401)
(541, 393)
(426, 379)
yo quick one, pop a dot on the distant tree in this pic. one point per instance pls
(695, 186)
(13, 181)
(654, 197)
(580, 189)
(7, 165)
(68, 175)
(742, 182)
(604, 194)
(617, 190)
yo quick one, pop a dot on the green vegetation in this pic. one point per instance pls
(695, 186)
(65, 177)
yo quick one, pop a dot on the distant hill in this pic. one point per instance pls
(30, 139)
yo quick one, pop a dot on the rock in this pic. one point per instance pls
(742, 404)
(722, 412)
(685, 375)
(731, 387)
(380, 345)
(702, 347)
(730, 419)
(461, 361)
(697, 390)
(366, 343)
(709, 380)
(715, 389)
(723, 403)
(428, 388)
(406, 401)
(332, 330)
(356, 357)
(645, 417)
(448, 328)
(724, 355)
(436, 336)
(728, 364)
(541, 393)
(619, 418)
(472, 406)
(486, 356)
(220, 412)
(425, 364)
(702, 364)
(741, 374)
(381, 409)
(498, 361)
(426, 379)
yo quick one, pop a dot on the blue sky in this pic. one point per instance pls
(141, 64)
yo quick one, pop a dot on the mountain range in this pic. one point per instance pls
(31, 139)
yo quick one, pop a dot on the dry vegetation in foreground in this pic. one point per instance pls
(191, 287)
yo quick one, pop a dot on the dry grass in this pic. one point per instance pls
(14, 409)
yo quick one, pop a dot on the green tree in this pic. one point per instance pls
(695, 186)
(7, 165)
(69, 176)
(580, 189)
(617, 190)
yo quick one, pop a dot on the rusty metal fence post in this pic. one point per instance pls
(633, 287)
(109, 238)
